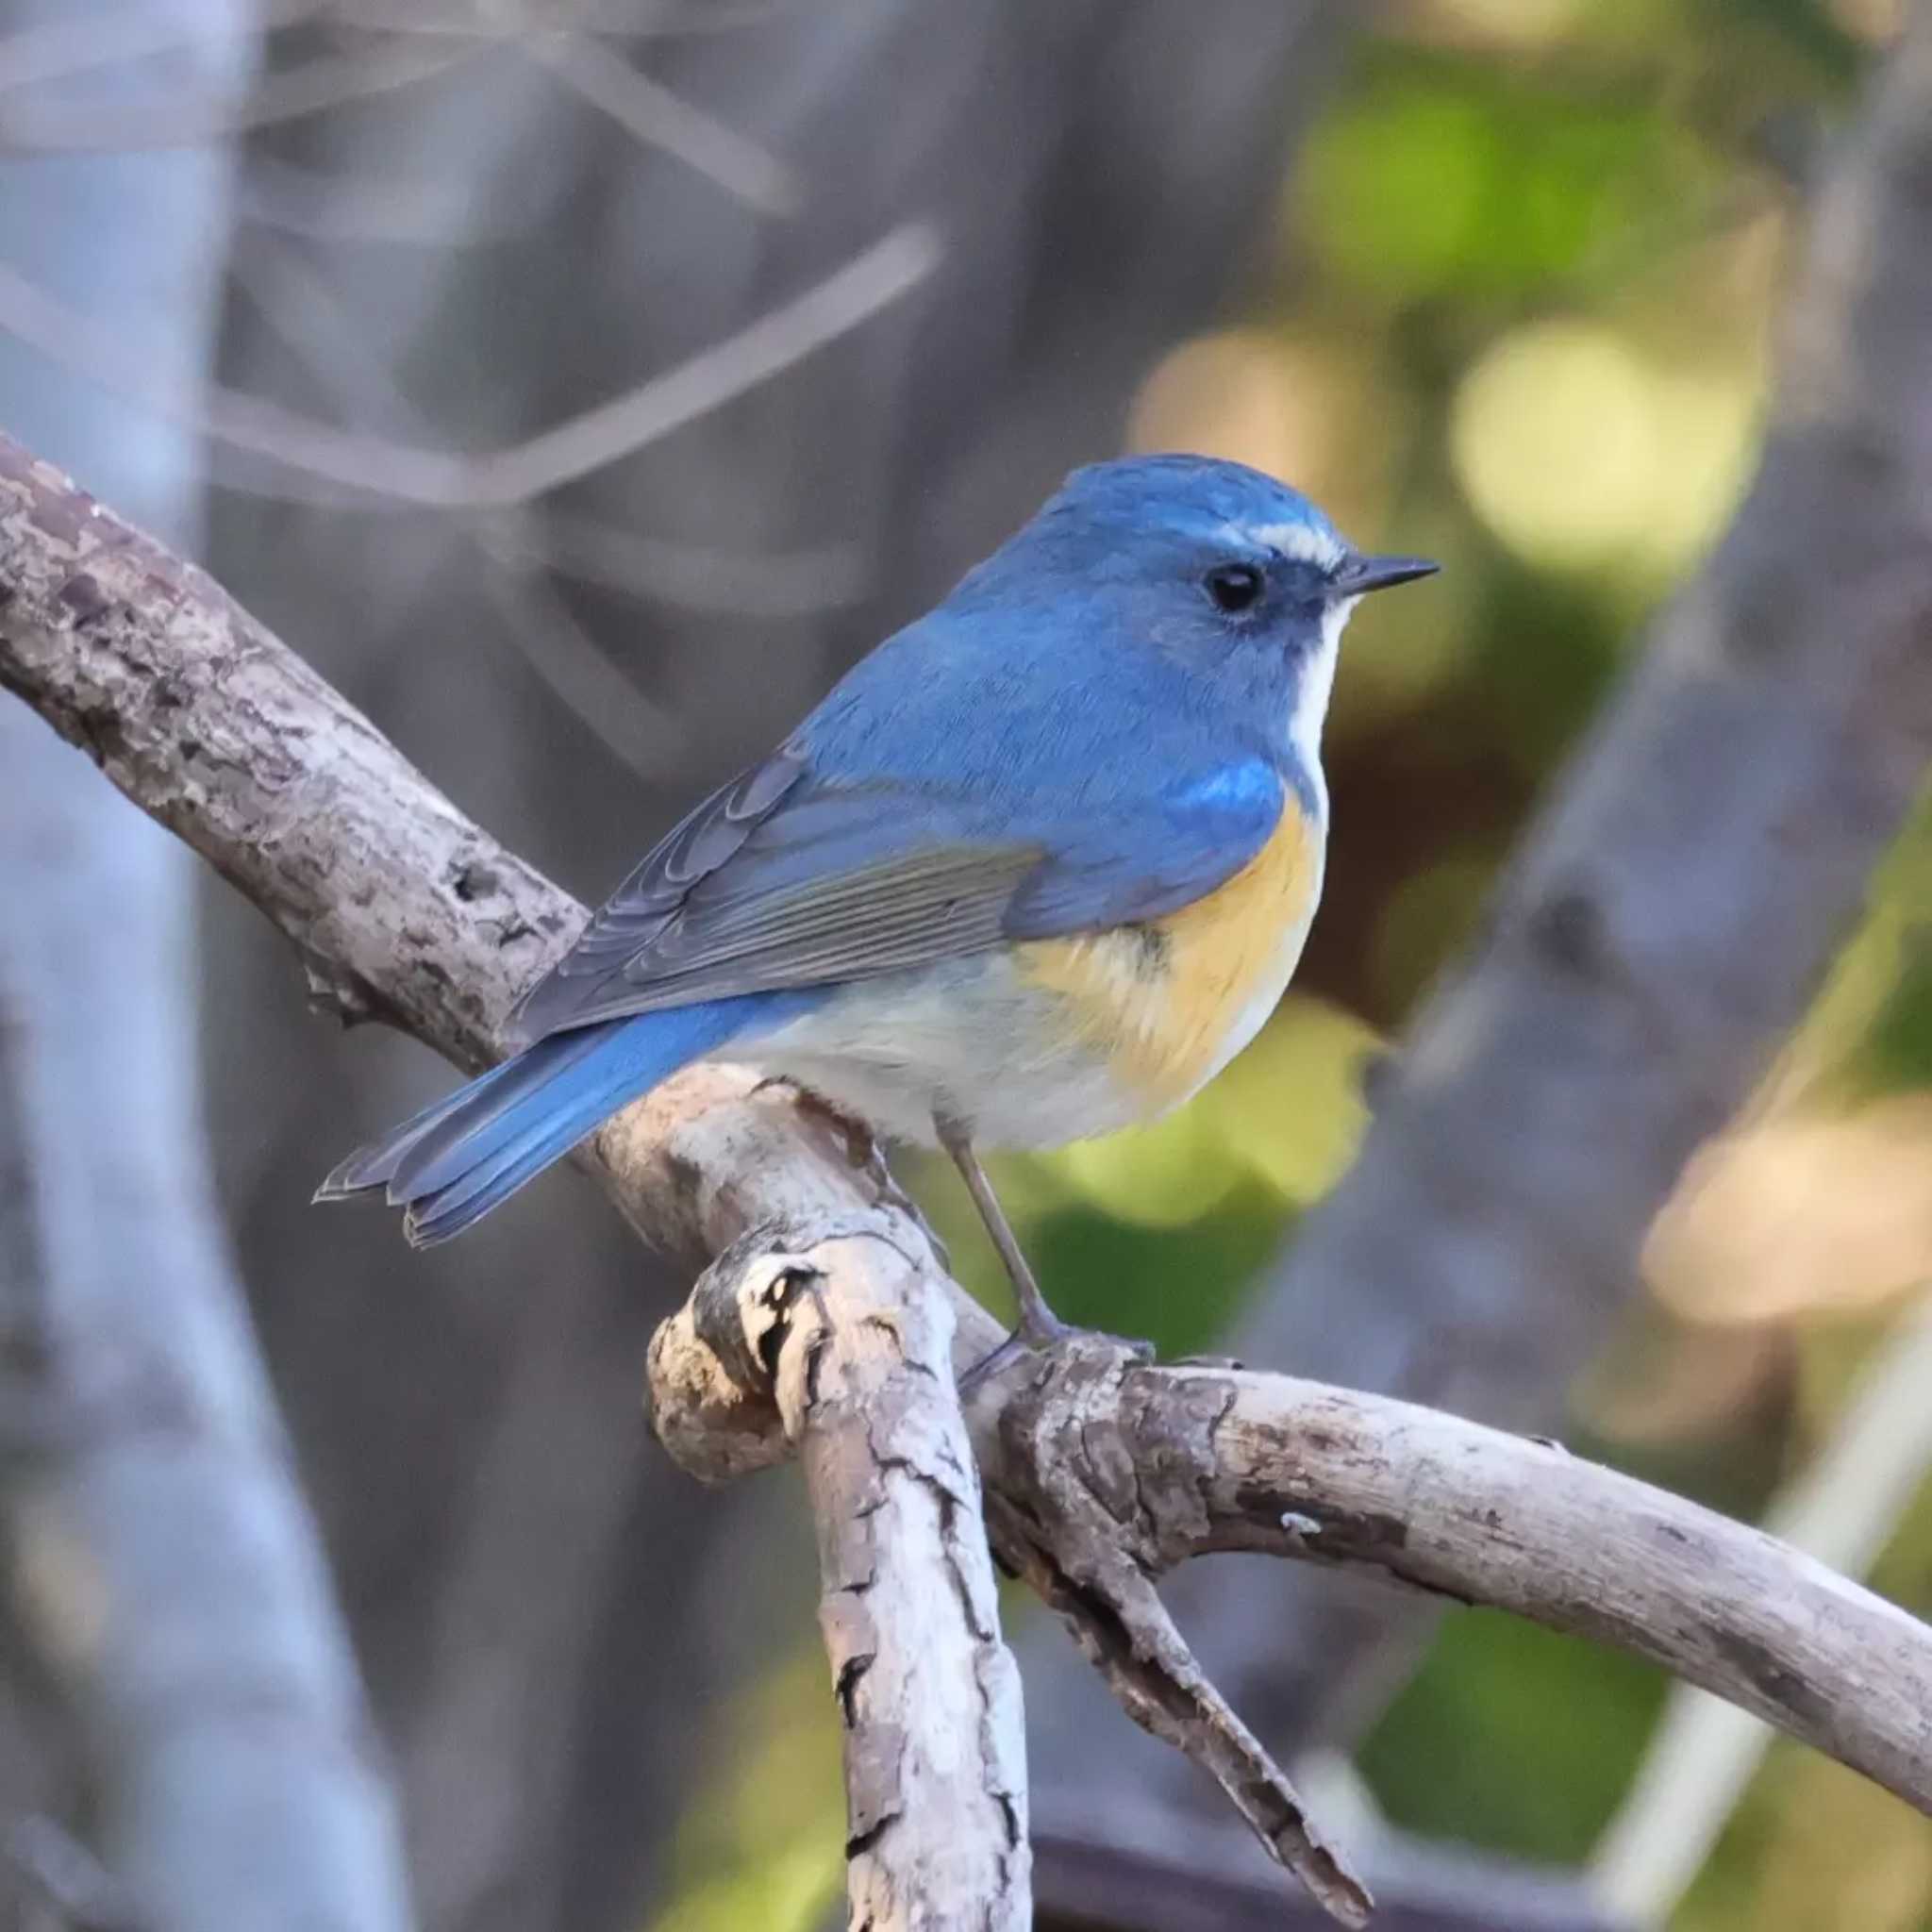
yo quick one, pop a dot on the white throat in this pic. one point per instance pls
(1311, 698)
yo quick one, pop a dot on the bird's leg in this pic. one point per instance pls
(1039, 1325)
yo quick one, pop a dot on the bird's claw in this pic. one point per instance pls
(1036, 1337)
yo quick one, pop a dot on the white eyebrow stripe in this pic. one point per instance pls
(1304, 543)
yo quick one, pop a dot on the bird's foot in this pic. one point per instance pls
(1035, 1335)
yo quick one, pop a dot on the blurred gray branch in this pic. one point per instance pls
(1662, 930)
(856, 290)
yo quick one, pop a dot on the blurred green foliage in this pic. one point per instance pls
(1470, 1749)
(1878, 1009)
(1519, 312)
(1447, 179)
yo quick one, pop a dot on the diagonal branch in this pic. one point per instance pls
(51, 50)
(330, 81)
(852, 294)
(716, 1161)
(655, 117)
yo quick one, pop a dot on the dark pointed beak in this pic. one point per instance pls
(1363, 574)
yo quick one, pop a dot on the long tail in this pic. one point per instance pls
(449, 1165)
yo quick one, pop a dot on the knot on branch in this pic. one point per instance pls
(1094, 1436)
(734, 1372)
(832, 1336)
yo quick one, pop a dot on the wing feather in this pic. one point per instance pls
(787, 878)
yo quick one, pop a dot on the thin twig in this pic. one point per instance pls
(536, 620)
(723, 582)
(304, 308)
(329, 80)
(655, 117)
(51, 50)
(617, 19)
(427, 211)
(852, 294)
(67, 1874)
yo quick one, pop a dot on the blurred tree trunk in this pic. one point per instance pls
(168, 1579)
(547, 1608)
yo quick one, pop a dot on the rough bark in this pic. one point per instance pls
(847, 1338)
(1088, 1451)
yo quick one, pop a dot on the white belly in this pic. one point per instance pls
(971, 1040)
(1054, 1040)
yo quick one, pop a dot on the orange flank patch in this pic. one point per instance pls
(1168, 1003)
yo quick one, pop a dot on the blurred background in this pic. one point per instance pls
(770, 316)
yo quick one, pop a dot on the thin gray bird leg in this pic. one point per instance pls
(1039, 1325)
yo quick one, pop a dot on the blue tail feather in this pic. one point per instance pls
(561, 1069)
(453, 1162)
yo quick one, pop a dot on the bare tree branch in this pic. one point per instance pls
(1123, 1877)
(76, 1886)
(872, 280)
(656, 118)
(537, 622)
(419, 211)
(403, 908)
(1185, 1461)
(744, 583)
(50, 50)
(330, 81)
(488, 20)
(844, 1337)
(719, 1157)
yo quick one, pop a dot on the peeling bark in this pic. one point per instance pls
(843, 1340)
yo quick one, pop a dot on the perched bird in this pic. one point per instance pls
(1035, 869)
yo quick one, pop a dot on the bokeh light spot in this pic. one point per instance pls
(1577, 451)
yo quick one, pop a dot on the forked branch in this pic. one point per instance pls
(1098, 1474)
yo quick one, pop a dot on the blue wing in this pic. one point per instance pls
(972, 781)
(790, 877)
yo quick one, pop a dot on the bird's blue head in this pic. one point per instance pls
(1223, 571)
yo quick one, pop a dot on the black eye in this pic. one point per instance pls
(1234, 586)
